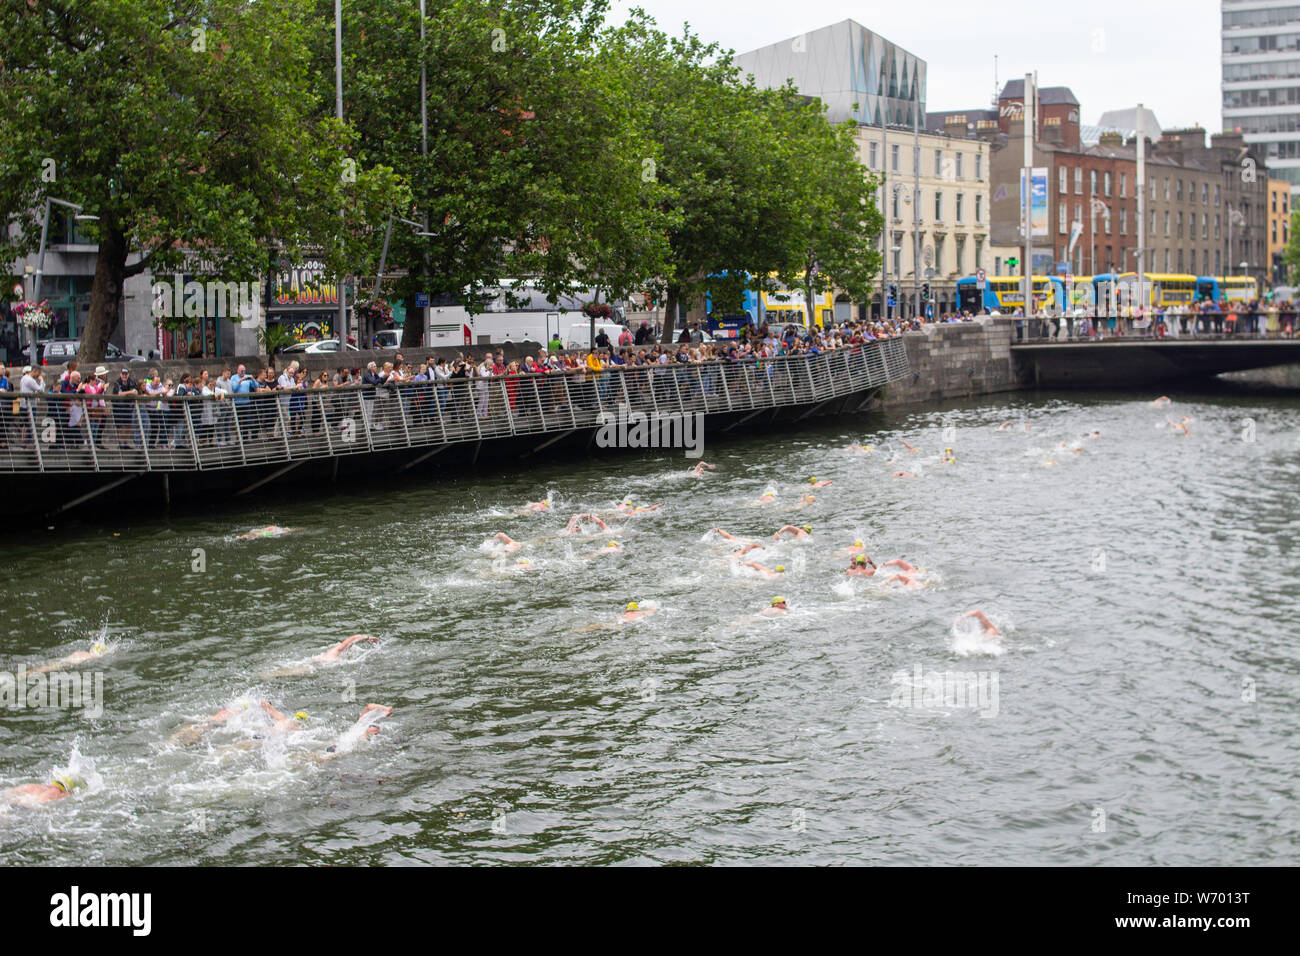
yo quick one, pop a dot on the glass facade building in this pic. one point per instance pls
(1261, 80)
(858, 74)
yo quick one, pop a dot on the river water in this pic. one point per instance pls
(1139, 708)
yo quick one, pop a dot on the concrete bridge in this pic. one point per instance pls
(1134, 363)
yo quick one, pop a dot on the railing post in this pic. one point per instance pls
(437, 404)
(325, 422)
(36, 438)
(568, 399)
(239, 429)
(722, 373)
(189, 429)
(401, 409)
(144, 439)
(282, 416)
(90, 432)
(505, 398)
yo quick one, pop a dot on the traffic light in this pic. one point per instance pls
(925, 291)
(1013, 262)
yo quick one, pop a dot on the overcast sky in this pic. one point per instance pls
(1111, 53)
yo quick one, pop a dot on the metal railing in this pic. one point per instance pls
(78, 433)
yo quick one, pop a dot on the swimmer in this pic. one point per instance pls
(1005, 425)
(281, 723)
(1093, 435)
(29, 794)
(543, 505)
(778, 607)
(509, 544)
(370, 717)
(1182, 426)
(1162, 400)
(904, 474)
(698, 470)
(523, 564)
(97, 650)
(990, 632)
(906, 580)
(901, 565)
(804, 532)
(865, 449)
(627, 508)
(862, 566)
(191, 733)
(270, 531)
(805, 501)
(334, 652)
(764, 572)
(634, 612)
(612, 547)
(726, 535)
(857, 547)
(746, 549)
(573, 527)
(766, 498)
(911, 448)
(948, 457)
(819, 484)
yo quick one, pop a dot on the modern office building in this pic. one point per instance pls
(1261, 81)
(858, 74)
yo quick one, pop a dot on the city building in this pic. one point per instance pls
(1279, 226)
(1261, 80)
(935, 187)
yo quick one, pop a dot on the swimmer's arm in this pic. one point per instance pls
(272, 712)
(729, 537)
(983, 619)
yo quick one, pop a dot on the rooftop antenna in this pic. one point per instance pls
(996, 91)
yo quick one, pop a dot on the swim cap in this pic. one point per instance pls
(812, 480)
(780, 568)
(99, 647)
(612, 544)
(777, 600)
(808, 528)
(301, 715)
(860, 559)
(68, 782)
(631, 606)
(857, 544)
(523, 561)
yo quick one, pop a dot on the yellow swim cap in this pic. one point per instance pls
(301, 715)
(857, 544)
(612, 544)
(812, 480)
(631, 606)
(523, 561)
(780, 568)
(777, 600)
(99, 647)
(860, 559)
(808, 528)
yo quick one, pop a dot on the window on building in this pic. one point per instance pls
(1106, 184)
(1216, 196)
(1180, 260)
(1274, 237)
(1285, 240)
(1153, 193)
(1063, 178)
(1180, 230)
(1216, 225)
(938, 205)
(1166, 189)
(938, 162)
(1078, 212)
(997, 265)
(979, 165)
(1078, 180)
(1110, 260)
(979, 253)
(1218, 261)
(1153, 225)
(1180, 190)
(895, 205)
(959, 157)
(1166, 222)
(1205, 194)
(1123, 221)
(1107, 218)
(979, 210)
(1205, 225)
(1092, 183)
(960, 202)
(938, 258)
(893, 159)
(873, 154)
(1167, 265)
(1285, 197)
(1060, 218)
(961, 254)
(898, 259)
(1123, 185)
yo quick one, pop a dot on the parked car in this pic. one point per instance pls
(314, 348)
(58, 351)
(388, 339)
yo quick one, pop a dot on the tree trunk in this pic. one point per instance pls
(105, 297)
(671, 299)
(413, 330)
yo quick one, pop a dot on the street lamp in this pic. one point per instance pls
(884, 291)
(40, 260)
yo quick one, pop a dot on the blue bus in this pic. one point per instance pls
(727, 324)
(1003, 294)
(1231, 288)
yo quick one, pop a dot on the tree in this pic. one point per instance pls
(182, 127)
(1291, 254)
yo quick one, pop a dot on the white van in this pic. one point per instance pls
(579, 334)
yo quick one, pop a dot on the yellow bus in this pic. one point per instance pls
(787, 306)
(1002, 293)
